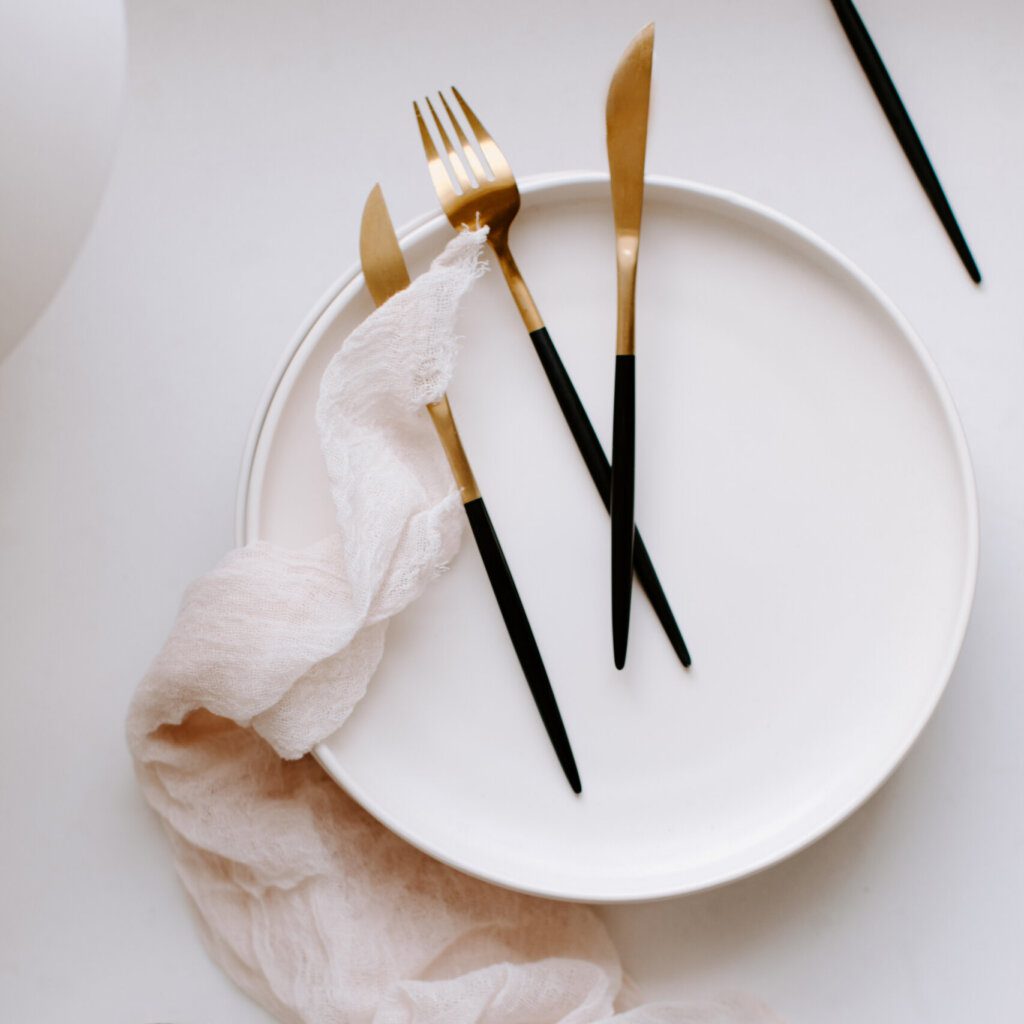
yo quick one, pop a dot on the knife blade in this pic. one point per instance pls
(626, 115)
(379, 252)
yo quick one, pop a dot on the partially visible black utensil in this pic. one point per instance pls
(898, 117)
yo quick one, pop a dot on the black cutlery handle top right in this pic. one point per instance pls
(600, 471)
(899, 120)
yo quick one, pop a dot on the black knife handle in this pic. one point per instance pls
(601, 473)
(521, 635)
(623, 493)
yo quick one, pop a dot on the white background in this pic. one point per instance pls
(253, 132)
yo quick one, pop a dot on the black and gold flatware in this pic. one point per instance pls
(629, 99)
(471, 192)
(385, 273)
(896, 113)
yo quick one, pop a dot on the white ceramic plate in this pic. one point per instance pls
(804, 489)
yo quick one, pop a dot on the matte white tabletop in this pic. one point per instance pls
(253, 132)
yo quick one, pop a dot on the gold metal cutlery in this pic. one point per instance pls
(385, 272)
(629, 99)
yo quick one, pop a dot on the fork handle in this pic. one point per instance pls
(600, 471)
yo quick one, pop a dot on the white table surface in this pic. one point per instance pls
(253, 132)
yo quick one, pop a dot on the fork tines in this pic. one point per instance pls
(463, 166)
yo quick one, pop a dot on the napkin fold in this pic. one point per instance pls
(314, 909)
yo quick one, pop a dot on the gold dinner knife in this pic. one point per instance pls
(385, 273)
(626, 120)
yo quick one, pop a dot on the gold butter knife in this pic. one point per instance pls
(385, 273)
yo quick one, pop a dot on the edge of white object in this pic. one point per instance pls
(253, 466)
(62, 72)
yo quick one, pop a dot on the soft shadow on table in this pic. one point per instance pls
(696, 938)
(893, 872)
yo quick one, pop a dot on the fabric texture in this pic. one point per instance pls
(314, 909)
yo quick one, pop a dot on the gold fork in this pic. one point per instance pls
(489, 198)
(474, 191)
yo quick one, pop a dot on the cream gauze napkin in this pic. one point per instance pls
(315, 909)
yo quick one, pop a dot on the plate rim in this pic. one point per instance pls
(254, 461)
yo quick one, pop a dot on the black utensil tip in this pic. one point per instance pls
(574, 778)
(563, 748)
(659, 602)
(620, 655)
(566, 759)
(899, 120)
(681, 651)
(623, 531)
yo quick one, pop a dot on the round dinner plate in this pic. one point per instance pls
(805, 491)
